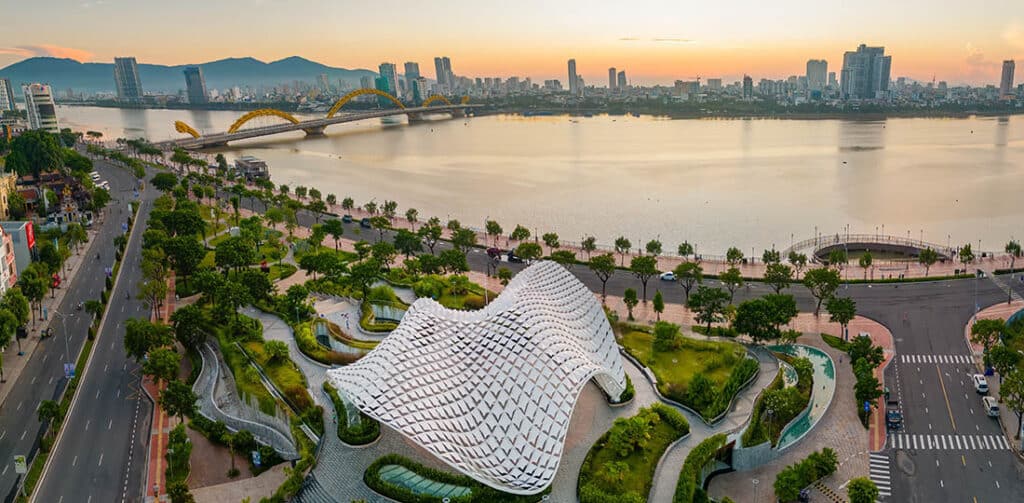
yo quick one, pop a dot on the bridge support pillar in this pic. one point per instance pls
(415, 117)
(315, 131)
(459, 113)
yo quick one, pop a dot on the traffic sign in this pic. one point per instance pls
(867, 406)
(20, 465)
(256, 458)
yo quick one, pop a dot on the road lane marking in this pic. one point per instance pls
(87, 424)
(5, 470)
(2, 435)
(963, 460)
(34, 380)
(101, 460)
(997, 485)
(19, 405)
(949, 408)
(74, 461)
(23, 434)
(111, 423)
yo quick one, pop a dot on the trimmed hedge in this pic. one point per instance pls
(366, 432)
(700, 456)
(797, 476)
(740, 374)
(478, 492)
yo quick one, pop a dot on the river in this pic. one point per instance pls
(716, 183)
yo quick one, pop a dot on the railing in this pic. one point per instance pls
(842, 238)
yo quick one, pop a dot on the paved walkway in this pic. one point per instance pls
(161, 423)
(275, 329)
(14, 364)
(1007, 419)
(839, 428)
(253, 488)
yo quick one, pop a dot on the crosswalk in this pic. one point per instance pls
(947, 442)
(880, 474)
(935, 359)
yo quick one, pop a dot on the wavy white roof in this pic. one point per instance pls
(491, 392)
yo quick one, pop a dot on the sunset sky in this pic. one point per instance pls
(655, 41)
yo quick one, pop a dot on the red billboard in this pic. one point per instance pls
(30, 236)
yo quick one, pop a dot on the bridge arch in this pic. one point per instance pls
(263, 112)
(181, 127)
(434, 99)
(465, 100)
(361, 92)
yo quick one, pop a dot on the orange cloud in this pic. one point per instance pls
(54, 51)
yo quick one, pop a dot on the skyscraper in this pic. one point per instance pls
(42, 113)
(442, 82)
(865, 73)
(366, 82)
(622, 84)
(195, 85)
(611, 79)
(1006, 82)
(6, 95)
(817, 74)
(574, 85)
(325, 85)
(126, 77)
(412, 72)
(389, 73)
(449, 76)
(748, 87)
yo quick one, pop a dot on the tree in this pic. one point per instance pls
(384, 253)
(588, 245)
(234, 253)
(333, 199)
(16, 302)
(188, 326)
(782, 309)
(335, 229)
(408, 243)
(463, 239)
(630, 300)
(771, 257)
(754, 318)
(318, 208)
(380, 224)
(529, 251)
(666, 336)
(178, 399)
(603, 266)
(709, 304)
(823, 283)
(551, 240)
(388, 209)
(235, 201)
(178, 492)
(453, 261)
(653, 247)
(185, 254)
(315, 194)
(520, 233)
(162, 364)
(1003, 359)
(927, 257)
(865, 262)
(658, 304)
(733, 256)
(685, 249)
(49, 410)
(799, 261)
(689, 274)
(301, 191)
(861, 347)
(987, 332)
(778, 276)
(505, 275)
(841, 310)
(622, 247)
(732, 280)
(1014, 250)
(33, 285)
(565, 258)
(1011, 392)
(644, 267)
(33, 152)
(8, 329)
(453, 225)
(231, 295)
(867, 388)
(431, 233)
(966, 254)
(277, 351)
(862, 490)
(412, 216)
(164, 181)
(348, 204)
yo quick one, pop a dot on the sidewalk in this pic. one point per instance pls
(162, 423)
(1006, 418)
(14, 364)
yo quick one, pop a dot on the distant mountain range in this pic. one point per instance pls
(63, 74)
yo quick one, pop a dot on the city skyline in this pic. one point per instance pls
(955, 43)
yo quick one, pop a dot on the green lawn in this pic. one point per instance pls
(676, 368)
(606, 475)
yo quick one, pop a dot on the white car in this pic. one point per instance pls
(667, 276)
(980, 384)
(990, 405)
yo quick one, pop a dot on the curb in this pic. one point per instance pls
(85, 372)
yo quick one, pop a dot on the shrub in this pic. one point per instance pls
(696, 460)
(799, 475)
(365, 432)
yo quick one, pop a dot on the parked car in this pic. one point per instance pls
(991, 406)
(893, 416)
(980, 384)
(365, 223)
(667, 276)
(347, 219)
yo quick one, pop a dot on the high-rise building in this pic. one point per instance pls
(126, 77)
(6, 95)
(611, 79)
(817, 74)
(1006, 82)
(865, 73)
(574, 84)
(714, 84)
(195, 85)
(748, 87)
(420, 91)
(389, 73)
(412, 72)
(42, 113)
(832, 81)
(622, 84)
(366, 82)
(323, 83)
(439, 72)
(449, 76)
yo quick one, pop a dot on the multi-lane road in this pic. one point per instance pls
(102, 451)
(43, 376)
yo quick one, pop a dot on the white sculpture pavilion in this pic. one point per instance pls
(491, 392)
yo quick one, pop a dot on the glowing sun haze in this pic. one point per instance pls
(655, 41)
